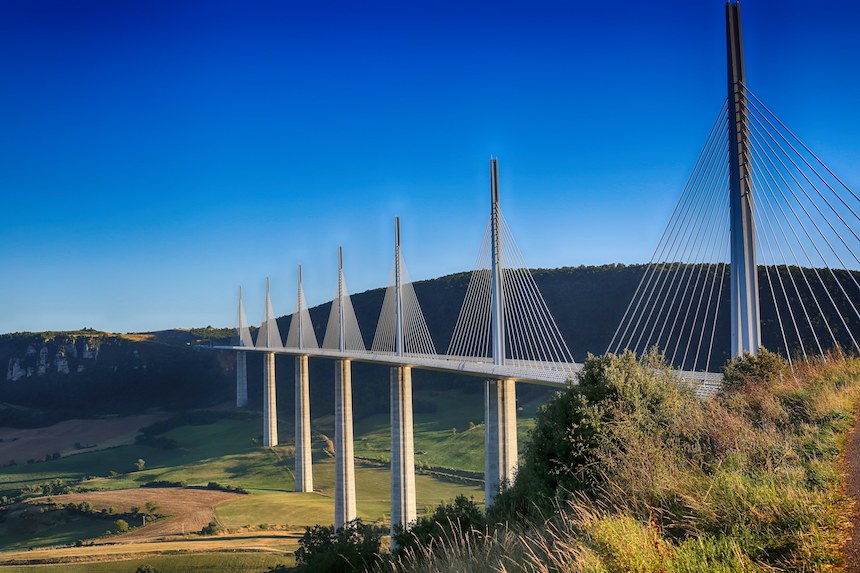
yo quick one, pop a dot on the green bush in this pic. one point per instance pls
(120, 526)
(353, 547)
(447, 520)
(212, 529)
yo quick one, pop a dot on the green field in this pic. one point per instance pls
(214, 562)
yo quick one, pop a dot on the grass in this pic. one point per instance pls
(184, 563)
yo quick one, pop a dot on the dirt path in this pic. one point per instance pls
(852, 485)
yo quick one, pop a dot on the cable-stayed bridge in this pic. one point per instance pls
(762, 222)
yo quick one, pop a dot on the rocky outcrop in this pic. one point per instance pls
(15, 371)
(61, 355)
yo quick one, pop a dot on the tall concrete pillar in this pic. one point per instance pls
(304, 473)
(402, 448)
(270, 408)
(500, 436)
(241, 380)
(344, 462)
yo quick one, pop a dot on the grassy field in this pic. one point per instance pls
(244, 562)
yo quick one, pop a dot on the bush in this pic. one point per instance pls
(164, 483)
(152, 506)
(147, 569)
(212, 529)
(354, 547)
(139, 464)
(120, 526)
(446, 521)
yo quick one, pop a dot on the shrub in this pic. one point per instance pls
(147, 569)
(446, 521)
(120, 526)
(139, 464)
(152, 506)
(164, 483)
(353, 547)
(212, 529)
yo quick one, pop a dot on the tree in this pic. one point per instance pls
(152, 506)
(120, 526)
(139, 464)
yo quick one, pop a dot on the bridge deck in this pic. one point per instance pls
(544, 373)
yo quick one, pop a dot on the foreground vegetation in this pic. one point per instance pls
(638, 474)
(629, 471)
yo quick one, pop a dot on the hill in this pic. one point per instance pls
(52, 376)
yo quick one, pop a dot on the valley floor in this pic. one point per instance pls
(254, 530)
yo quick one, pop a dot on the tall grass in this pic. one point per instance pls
(631, 472)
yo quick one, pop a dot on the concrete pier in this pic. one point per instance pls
(500, 437)
(270, 407)
(241, 380)
(402, 448)
(344, 463)
(304, 473)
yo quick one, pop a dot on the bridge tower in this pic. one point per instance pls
(271, 338)
(344, 461)
(303, 463)
(746, 326)
(403, 509)
(500, 398)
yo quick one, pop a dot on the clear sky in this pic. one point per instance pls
(154, 155)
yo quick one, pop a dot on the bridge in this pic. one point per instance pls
(759, 205)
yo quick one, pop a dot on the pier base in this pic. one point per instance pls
(500, 437)
(402, 449)
(304, 471)
(270, 405)
(344, 463)
(241, 380)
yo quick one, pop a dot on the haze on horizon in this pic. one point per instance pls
(154, 156)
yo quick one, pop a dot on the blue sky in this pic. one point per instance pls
(154, 155)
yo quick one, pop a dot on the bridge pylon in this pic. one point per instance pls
(403, 506)
(269, 337)
(343, 333)
(500, 395)
(302, 336)
(746, 325)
